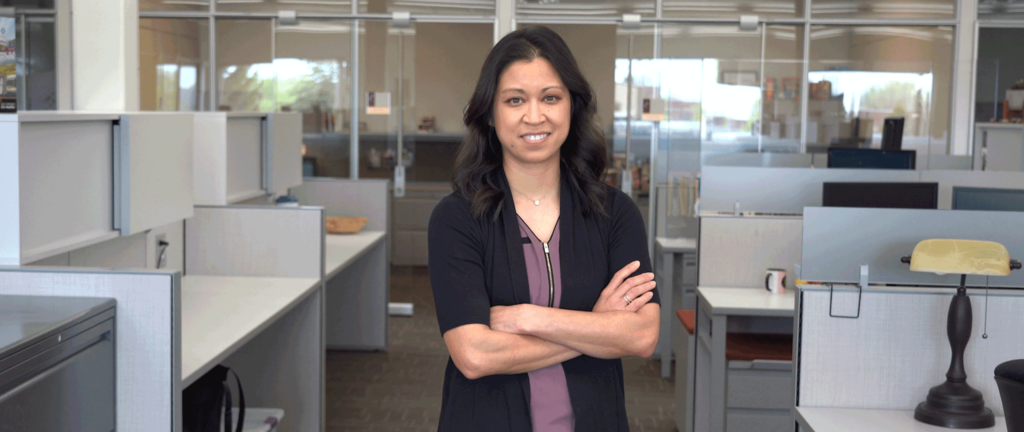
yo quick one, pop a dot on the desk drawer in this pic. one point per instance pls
(759, 389)
(758, 421)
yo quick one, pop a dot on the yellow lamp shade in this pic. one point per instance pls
(973, 257)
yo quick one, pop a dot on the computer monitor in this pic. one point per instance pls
(971, 198)
(881, 195)
(871, 158)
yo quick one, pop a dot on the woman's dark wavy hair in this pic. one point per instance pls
(583, 155)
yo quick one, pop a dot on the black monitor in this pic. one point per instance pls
(881, 195)
(970, 198)
(871, 158)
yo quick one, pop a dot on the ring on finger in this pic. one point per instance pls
(627, 299)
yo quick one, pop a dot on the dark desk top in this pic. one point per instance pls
(25, 320)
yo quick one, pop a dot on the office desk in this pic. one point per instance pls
(356, 281)
(715, 307)
(859, 420)
(665, 250)
(340, 250)
(219, 314)
(268, 330)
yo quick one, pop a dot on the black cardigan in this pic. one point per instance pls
(479, 263)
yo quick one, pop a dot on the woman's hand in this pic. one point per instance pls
(638, 288)
(509, 319)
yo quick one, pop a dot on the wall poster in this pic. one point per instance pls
(8, 67)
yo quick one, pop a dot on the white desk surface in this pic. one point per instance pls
(342, 249)
(859, 420)
(747, 301)
(678, 244)
(219, 314)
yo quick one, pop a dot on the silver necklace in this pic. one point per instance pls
(536, 202)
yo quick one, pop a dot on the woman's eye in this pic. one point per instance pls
(551, 98)
(515, 100)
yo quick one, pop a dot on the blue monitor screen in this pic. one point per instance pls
(968, 198)
(871, 158)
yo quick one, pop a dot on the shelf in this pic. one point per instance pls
(219, 314)
(71, 180)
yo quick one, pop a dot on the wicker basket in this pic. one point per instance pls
(345, 225)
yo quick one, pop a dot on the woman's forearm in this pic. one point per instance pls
(479, 351)
(597, 334)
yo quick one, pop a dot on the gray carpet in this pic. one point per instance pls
(400, 389)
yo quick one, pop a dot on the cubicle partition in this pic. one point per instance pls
(252, 299)
(789, 190)
(781, 190)
(883, 342)
(148, 345)
(357, 266)
(735, 251)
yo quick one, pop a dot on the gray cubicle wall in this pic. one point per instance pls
(735, 252)
(344, 197)
(148, 330)
(255, 241)
(780, 190)
(837, 241)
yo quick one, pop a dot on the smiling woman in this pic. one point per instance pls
(540, 272)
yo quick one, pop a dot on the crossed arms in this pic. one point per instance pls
(524, 338)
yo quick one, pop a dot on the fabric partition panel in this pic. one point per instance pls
(255, 241)
(897, 349)
(147, 328)
(736, 251)
(341, 197)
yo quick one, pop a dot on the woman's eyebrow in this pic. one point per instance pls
(516, 90)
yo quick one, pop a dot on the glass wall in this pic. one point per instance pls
(39, 64)
(174, 70)
(861, 75)
(1000, 72)
(33, 37)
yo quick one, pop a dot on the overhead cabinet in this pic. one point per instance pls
(239, 156)
(70, 180)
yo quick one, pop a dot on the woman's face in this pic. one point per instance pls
(532, 111)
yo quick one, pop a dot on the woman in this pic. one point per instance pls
(540, 271)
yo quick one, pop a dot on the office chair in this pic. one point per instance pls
(1010, 379)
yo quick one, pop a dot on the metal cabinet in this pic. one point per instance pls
(57, 358)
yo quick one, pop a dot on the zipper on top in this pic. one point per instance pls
(551, 277)
(547, 259)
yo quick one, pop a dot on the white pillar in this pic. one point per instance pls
(506, 19)
(962, 112)
(105, 56)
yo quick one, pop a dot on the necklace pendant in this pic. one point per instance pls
(536, 202)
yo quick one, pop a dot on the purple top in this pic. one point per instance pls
(549, 393)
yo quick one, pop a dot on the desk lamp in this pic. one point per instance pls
(955, 404)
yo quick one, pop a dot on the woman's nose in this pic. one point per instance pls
(534, 114)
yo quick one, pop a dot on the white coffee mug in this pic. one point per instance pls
(775, 281)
